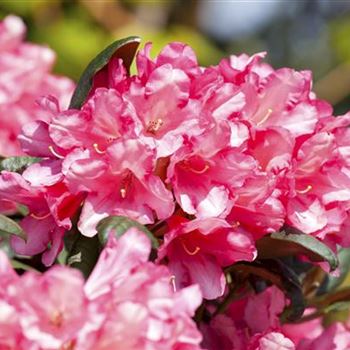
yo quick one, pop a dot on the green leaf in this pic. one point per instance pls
(124, 49)
(17, 164)
(293, 290)
(119, 225)
(18, 265)
(292, 242)
(331, 282)
(83, 253)
(10, 227)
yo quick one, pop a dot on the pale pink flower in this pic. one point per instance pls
(271, 341)
(24, 77)
(143, 310)
(55, 309)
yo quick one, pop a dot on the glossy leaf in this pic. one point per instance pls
(119, 225)
(124, 49)
(10, 227)
(293, 242)
(333, 282)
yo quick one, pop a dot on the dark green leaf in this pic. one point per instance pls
(293, 290)
(10, 227)
(292, 242)
(83, 253)
(17, 164)
(331, 283)
(119, 225)
(124, 49)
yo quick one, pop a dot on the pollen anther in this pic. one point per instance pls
(40, 217)
(96, 148)
(154, 125)
(202, 171)
(267, 116)
(194, 252)
(122, 192)
(172, 282)
(52, 150)
(305, 190)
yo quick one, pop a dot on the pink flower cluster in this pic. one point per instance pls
(24, 78)
(211, 160)
(127, 303)
(253, 323)
(226, 154)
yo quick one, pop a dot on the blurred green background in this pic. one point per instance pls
(304, 34)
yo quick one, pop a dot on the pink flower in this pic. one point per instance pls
(50, 205)
(251, 323)
(55, 309)
(205, 173)
(120, 182)
(24, 78)
(103, 119)
(133, 305)
(143, 311)
(305, 330)
(270, 304)
(335, 337)
(197, 250)
(271, 341)
(161, 96)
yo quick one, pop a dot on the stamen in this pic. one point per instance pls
(57, 319)
(40, 217)
(96, 148)
(236, 224)
(154, 125)
(206, 167)
(52, 150)
(196, 250)
(125, 184)
(172, 282)
(111, 139)
(305, 190)
(267, 115)
(69, 345)
(122, 192)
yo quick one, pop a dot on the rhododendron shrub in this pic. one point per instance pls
(196, 208)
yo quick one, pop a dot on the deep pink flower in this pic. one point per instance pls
(103, 119)
(335, 337)
(118, 183)
(205, 173)
(197, 250)
(50, 208)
